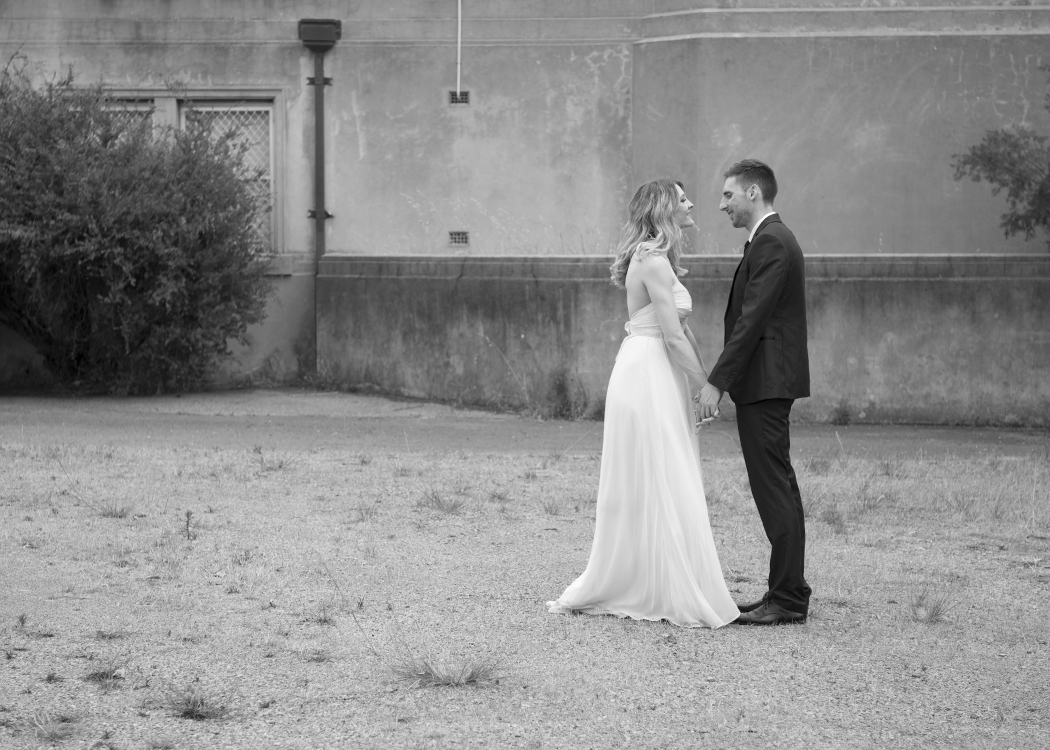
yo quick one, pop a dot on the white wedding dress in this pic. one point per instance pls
(653, 556)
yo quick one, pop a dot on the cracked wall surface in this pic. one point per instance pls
(858, 105)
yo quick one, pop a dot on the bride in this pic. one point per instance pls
(653, 557)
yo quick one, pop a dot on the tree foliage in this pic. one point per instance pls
(1016, 160)
(129, 256)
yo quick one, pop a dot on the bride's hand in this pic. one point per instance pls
(699, 423)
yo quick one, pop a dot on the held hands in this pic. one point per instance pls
(700, 423)
(706, 404)
(701, 417)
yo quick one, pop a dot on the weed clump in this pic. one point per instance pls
(427, 671)
(833, 517)
(192, 702)
(434, 500)
(112, 509)
(364, 512)
(51, 728)
(930, 608)
(107, 676)
(551, 507)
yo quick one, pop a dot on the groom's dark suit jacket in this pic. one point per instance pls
(765, 354)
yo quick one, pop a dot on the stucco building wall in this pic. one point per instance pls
(573, 103)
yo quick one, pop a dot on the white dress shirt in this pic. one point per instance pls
(757, 225)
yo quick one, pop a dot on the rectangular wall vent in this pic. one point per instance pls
(459, 97)
(459, 238)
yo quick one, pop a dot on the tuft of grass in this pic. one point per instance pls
(930, 608)
(324, 617)
(192, 702)
(872, 497)
(111, 509)
(451, 506)
(109, 635)
(892, 468)
(365, 512)
(833, 517)
(426, 671)
(53, 677)
(30, 541)
(498, 496)
(966, 504)
(819, 465)
(268, 464)
(317, 655)
(51, 728)
(1001, 508)
(244, 555)
(107, 676)
(22, 619)
(551, 506)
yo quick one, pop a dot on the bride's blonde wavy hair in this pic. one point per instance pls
(651, 228)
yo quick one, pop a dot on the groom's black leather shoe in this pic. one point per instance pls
(751, 606)
(770, 613)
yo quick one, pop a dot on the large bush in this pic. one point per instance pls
(129, 256)
(1017, 160)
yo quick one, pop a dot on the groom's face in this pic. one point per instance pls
(736, 203)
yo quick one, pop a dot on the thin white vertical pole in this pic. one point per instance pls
(459, 46)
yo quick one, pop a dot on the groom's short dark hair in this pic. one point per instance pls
(753, 172)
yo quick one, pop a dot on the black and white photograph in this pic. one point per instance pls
(524, 374)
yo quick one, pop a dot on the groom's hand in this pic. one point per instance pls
(709, 398)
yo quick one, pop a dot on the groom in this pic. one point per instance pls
(765, 367)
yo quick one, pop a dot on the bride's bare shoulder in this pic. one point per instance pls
(650, 264)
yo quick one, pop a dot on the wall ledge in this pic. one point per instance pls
(595, 268)
(291, 264)
(34, 27)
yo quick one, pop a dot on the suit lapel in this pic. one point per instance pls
(765, 222)
(732, 287)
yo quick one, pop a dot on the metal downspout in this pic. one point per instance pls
(319, 214)
(319, 35)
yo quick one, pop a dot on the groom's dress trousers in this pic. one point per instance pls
(764, 367)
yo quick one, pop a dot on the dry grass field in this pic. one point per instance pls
(208, 598)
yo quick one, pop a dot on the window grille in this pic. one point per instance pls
(253, 127)
(459, 97)
(459, 238)
(131, 113)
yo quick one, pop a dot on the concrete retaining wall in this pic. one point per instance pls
(937, 339)
(574, 103)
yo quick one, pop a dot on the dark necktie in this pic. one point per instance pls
(747, 245)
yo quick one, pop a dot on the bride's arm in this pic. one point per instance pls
(696, 347)
(658, 278)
